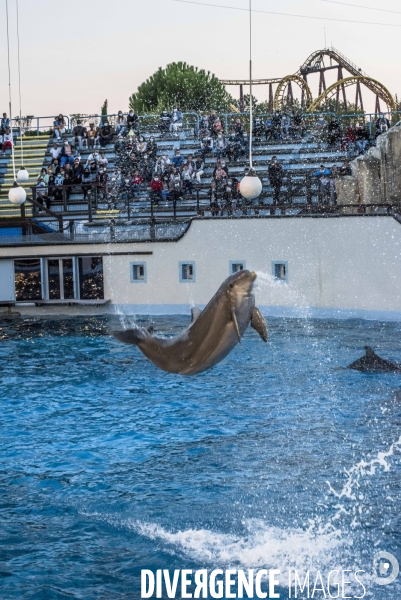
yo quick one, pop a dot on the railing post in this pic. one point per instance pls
(197, 201)
(37, 126)
(34, 209)
(308, 185)
(112, 230)
(64, 195)
(151, 208)
(175, 208)
(89, 196)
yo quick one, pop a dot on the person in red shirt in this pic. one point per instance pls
(137, 181)
(156, 185)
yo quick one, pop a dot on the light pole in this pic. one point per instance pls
(250, 186)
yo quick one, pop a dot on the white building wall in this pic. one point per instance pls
(340, 265)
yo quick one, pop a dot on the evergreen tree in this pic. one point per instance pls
(183, 86)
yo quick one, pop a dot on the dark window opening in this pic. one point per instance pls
(91, 278)
(28, 279)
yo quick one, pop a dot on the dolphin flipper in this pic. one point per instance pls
(195, 312)
(235, 322)
(131, 336)
(259, 324)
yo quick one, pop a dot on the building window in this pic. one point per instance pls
(60, 278)
(90, 278)
(138, 272)
(280, 270)
(28, 279)
(237, 265)
(187, 272)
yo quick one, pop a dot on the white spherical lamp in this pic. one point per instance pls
(17, 194)
(250, 186)
(22, 175)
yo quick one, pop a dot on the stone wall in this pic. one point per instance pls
(376, 176)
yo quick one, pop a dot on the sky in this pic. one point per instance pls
(76, 54)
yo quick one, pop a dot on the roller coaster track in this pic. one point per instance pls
(315, 64)
(372, 84)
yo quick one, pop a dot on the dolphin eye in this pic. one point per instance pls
(231, 285)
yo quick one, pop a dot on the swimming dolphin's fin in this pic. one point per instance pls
(234, 318)
(131, 336)
(259, 324)
(195, 312)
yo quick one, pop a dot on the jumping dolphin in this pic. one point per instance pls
(374, 364)
(212, 334)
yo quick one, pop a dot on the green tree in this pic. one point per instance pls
(105, 107)
(183, 86)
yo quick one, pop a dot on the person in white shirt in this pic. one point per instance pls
(55, 151)
(94, 156)
(102, 161)
(7, 140)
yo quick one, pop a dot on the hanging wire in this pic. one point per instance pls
(250, 84)
(19, 87)
(9, 92)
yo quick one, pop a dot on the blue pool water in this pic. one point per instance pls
(277, 458)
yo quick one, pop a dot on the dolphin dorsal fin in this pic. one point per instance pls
(195, 312)
(370, 353)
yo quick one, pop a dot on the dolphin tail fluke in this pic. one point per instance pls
(131, 336)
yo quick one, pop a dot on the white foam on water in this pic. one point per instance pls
(284, 294)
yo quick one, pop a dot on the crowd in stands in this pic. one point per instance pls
(140, 167)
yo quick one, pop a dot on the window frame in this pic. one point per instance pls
(280, 262)
(236, 262)
(183, 263)
(145, 272)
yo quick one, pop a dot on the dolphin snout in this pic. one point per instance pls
(253, 275)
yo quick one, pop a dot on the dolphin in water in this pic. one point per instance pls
(371, 363)
(212, 334)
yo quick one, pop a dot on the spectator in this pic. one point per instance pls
(51, 189)
(268, 129)
(206, 147)
(1, 143)
(77, 172)
(164, 121)
(156, 186)
(199, 166)
(244, 139)
(297, 124)
(323, 174)
(86, 182)
(320, 129)
(204, 129)
(58, 183)
(121, 124)
(4, 124)
(43, 176)
(334, 131)
(166, 187)
(55, 166)
(176, 121)
(362, 137)
(219, 146)
(7, 140)
(175, 186)
(177, 160)
(276, 125)
(92, 136)
(132, 121)
(41, 193)
(93, 156)
(152, 148)
(285, 126)
(105, 134)
(159, 166)
(59, 126)
(102, 181)
(258, 127)
(238, 127)
(233, 147)
(141, 146)
(224, 167)
(79, 133)
(217, 127)
(333, 177)
(102, 160)
(146, 168)
(382, 125)
(186, 180)
(137, 182)
(93, 169)
(275, 174)
(55, 151)
(345, 169)
(67, 185)
(66, 154)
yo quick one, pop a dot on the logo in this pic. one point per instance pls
(386, 568)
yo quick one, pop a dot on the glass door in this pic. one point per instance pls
(60, 278)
